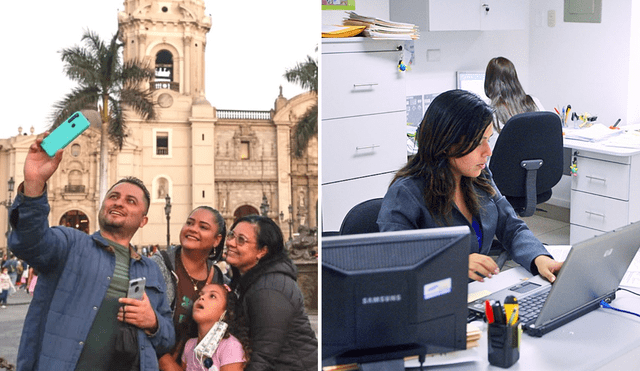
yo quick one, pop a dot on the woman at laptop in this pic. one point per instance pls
(447, 184)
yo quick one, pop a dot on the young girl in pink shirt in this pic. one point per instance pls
(215, 309)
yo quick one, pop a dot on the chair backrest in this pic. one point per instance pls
(362, 218)
(528, 136)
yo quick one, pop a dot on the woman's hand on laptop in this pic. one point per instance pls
(547, 267)
(481, 267)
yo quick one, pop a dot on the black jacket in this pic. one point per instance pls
(281, 336)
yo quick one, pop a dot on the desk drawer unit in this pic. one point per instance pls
(597, 212)
(602, 194)
(579, 233)
(363, 145)
(604, 178)
(339, 198)
(362, 83)
(363, 136)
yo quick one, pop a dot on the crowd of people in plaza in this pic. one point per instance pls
(15, 275)
(191, 315)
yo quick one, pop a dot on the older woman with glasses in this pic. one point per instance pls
(280, 334)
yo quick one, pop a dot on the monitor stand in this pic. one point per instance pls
(388, 365)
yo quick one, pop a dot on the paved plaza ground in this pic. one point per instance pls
(12, 318)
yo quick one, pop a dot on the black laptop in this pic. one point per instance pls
(592, 272)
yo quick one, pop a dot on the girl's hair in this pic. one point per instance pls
(502, 86)
(234, 317)
(268, 234)
(216, 252)
(452, 127)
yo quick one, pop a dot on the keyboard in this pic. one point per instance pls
(530, 307)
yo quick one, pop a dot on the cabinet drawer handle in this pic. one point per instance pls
(355, 86)
(368, 147)
(604, 180)
(595, 214)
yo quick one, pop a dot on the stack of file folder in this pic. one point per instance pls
(376, 28)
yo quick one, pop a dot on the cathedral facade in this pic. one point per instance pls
(193, 154)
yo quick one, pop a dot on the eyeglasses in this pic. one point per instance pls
(241, 240)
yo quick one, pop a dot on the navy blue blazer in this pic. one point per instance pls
(404, 208)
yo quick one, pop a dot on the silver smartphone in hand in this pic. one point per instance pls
(136, 288)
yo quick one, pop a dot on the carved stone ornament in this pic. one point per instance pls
(165, 100)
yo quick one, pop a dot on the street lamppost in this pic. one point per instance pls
(7, 203)
(167, 212)
(264, 206)
(290, 221)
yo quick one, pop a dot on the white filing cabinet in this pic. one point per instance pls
(363, 134)
(462, 15)
(604, 194)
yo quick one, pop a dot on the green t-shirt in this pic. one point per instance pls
(98, 351)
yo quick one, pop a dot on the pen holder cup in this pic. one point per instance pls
(504, 344)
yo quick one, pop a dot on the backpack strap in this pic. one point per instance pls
(167, 262)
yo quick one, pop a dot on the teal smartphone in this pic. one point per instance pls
(65, 133)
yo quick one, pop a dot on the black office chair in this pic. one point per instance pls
(527, 159)
(362, 218)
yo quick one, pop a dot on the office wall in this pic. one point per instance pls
(590, 66)
(587, 65)
(371, 8)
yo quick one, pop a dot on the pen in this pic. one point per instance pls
(488, 311)
(567, 115)
(498, 313)
(511, 309)
(616, 124)
(558, 112)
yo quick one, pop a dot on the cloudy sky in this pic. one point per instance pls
(248, 50)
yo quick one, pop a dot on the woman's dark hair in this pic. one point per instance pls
(268, 234)
(216, 253)
(234, 317)
(452, 127)
(502, 86)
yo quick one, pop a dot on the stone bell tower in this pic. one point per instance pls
(173, 153)
(171, 35)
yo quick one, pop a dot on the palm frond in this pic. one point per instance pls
(306, 129)
(135, 72)
(79, 65)
(117, 128)
(84, 97)
(140, 101)
(304, 74)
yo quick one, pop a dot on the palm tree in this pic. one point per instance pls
(306, 75)
(107, 85)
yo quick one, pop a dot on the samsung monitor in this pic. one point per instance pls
(473, 82)
(389, 295)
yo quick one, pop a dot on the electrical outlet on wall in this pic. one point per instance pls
(433, 55)
(551, 18)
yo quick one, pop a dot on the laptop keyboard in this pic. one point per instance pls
(530, 307)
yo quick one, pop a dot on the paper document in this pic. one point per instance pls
(594, 133)
(559, 252)
(632, 277)
(630, 139)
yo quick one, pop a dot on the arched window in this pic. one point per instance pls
(74, 184)
(164, 78)
(245, 210)
(164, 66)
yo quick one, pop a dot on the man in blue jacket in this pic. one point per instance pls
(79, 317)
